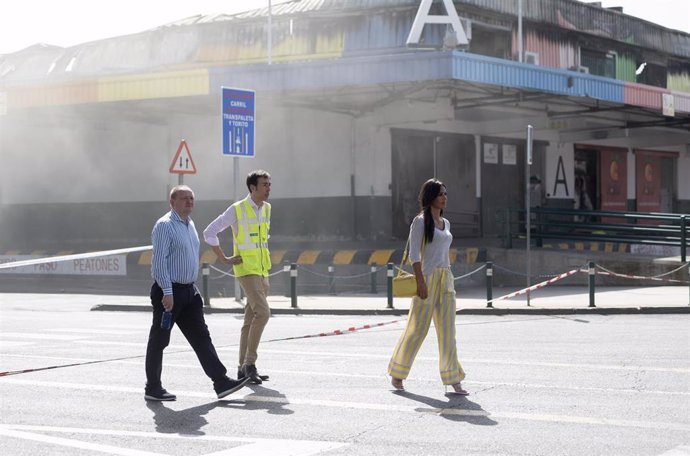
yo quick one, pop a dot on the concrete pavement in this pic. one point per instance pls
(549, 300)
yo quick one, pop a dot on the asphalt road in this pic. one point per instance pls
(540, 385)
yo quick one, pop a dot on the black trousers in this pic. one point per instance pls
(188, 314)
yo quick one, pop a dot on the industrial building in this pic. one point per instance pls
(352, 115)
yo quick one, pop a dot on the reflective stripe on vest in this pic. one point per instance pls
(251, 239)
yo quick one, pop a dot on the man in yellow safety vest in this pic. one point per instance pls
(250, 220)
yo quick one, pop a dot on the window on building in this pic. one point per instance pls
(490, 42)
(653, 75)
(599, 63)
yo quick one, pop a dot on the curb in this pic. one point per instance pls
(398, 312)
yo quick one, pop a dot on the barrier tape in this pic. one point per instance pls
(470, 273)
(455, 279)
(76, 256)
(229, 274)
(337, 332)
(537, 286)
(658, 278)
(510, 271)
(626, 276)
(85, 363)
(355, 276)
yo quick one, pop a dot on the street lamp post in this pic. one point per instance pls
(270, 29)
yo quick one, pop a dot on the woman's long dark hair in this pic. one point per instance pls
(430, 190)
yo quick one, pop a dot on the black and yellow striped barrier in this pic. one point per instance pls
(468, 255)
(339, 257)
(608, 247)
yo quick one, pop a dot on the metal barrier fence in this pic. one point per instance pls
(591, 269)
(644, 228)
(291, 276)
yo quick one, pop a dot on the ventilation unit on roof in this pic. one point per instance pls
(583, 69)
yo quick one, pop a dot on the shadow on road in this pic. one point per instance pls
(261, 398)
(456, 408)
(271, 400)
(188, 421)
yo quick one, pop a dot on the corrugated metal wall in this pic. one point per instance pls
(223, 43)
(56, 95)
(156, 85)
(594, 20)
(643, 95)
(626, 65)
(681, 101)
(385, 31)
(488, 70)
(554, 52)
(313, 29)
(247, 43)
(679, 82)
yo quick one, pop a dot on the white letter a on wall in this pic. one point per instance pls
(423, 17)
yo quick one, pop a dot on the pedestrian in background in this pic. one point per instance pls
(174, 269)
(429, 245)
(250, 221)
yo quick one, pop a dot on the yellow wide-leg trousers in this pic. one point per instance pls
(439, 305)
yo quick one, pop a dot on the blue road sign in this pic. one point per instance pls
(239, 112)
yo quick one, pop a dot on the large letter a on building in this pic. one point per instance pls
(423, 17)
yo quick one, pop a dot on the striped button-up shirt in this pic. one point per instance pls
(175, 251)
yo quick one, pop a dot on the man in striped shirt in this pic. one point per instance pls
(174, 269)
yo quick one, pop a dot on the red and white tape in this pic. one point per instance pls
(537, 286)
(83, 363)
(636, 277)
(338, 332)
(76, 256)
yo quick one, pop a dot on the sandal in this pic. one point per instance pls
(457, 389)
(397, 384)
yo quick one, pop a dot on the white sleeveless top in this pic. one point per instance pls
(436, 252)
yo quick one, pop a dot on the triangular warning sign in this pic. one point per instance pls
(183, 163)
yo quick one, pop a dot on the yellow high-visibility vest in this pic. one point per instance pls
(251, 239)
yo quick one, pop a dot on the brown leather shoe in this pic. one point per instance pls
(249, 370)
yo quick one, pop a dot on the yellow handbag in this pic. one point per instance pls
(404, 283)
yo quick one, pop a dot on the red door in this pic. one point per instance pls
(614, 181)
(648, 182)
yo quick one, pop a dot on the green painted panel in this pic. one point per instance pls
(625, 67)
(679, 82)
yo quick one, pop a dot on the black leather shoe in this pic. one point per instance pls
(228, 386)
(158, 394)
(249, 370)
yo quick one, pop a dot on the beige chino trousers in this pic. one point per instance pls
(256, 315)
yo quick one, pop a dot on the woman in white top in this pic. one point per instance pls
(430, 240)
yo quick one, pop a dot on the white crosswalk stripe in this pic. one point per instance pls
(413, 409)
(248, 446)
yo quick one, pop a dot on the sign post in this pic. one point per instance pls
(182, 162)
(238, 122)
(238, 116)
(528, 204)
